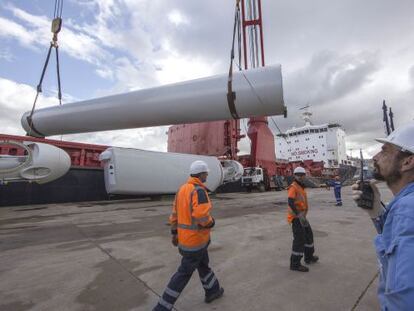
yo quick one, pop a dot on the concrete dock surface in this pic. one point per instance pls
(110, 256)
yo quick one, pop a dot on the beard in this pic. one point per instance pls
(393, 177)
(377, 173)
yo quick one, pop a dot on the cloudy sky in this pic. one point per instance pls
(341, 57)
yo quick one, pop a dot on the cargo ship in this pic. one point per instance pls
(316, 143)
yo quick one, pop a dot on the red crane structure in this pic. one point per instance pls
(220, 138)
(262, 151)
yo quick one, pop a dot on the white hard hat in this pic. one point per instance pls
(402, 137)
(299, 170)
(198, 167)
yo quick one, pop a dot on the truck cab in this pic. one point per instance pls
(254, 177)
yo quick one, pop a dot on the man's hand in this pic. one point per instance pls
(303, 221)
(377, 208)
(174, 240)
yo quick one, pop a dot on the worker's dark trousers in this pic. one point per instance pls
(338, 195)
(179, 280)
(302, 243)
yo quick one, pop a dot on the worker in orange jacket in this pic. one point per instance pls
(191, 223)
(302, 231)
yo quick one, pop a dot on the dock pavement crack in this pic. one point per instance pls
(136, 278)
(364, 292)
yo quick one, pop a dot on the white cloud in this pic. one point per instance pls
(177, 18)
(6, 54)
(15, 99)
(34, 32)
(411, 75)
(143, 55)
(152, 138)
(10, 29)
(105, 73)
(83, 47)
(39, 21)
(176, 68)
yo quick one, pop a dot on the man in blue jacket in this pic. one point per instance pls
(394, 243)
(337, 185)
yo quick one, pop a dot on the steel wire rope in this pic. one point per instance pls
(256, 44)
(56, 27)
(57, 12)
(251, 39)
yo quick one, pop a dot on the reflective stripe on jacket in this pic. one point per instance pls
(297, 193)
(191, 216)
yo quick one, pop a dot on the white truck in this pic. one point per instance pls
(255, 177)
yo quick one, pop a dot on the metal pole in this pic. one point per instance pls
(385, 118)
(244, 33)
(391, 120)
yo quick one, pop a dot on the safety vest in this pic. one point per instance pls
(296, 192)
(190, 214)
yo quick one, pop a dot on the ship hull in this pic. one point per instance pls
(79, 184)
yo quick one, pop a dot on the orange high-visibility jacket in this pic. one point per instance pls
(298, 194)
(191, 216)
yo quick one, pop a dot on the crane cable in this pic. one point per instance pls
(231, 95)
(56, 27)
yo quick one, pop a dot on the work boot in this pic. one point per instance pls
(299, 268)
(214, 296)
(313, 259)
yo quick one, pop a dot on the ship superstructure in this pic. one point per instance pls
(323, 142)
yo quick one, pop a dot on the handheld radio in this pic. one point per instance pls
(367, 197)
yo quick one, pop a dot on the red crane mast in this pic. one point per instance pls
(262, 151)
(220, 138)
